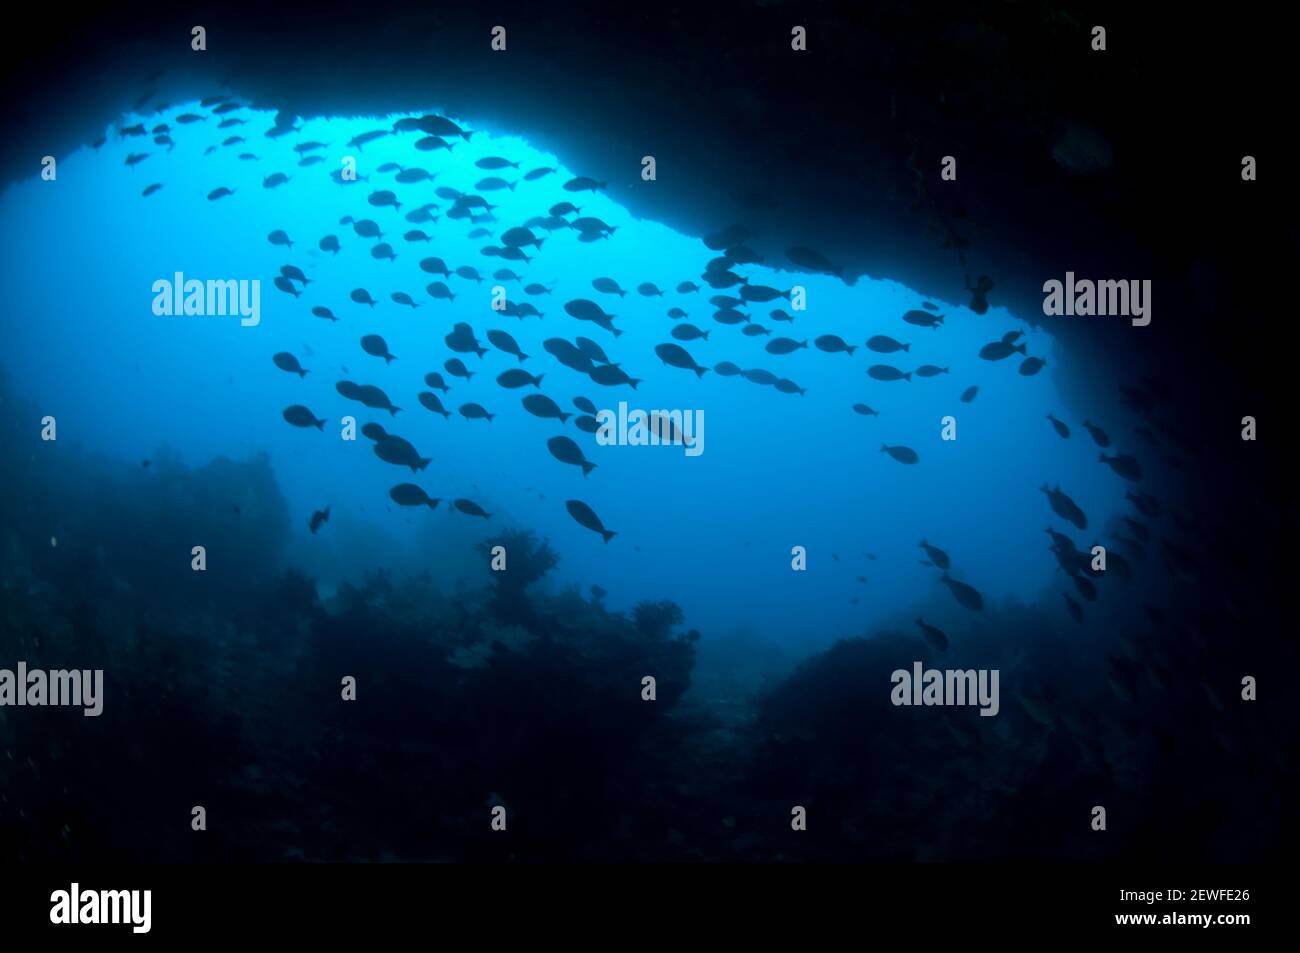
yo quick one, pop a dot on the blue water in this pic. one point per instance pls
(713, 533)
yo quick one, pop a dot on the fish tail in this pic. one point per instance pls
(389, 358)
(564, 418)
(884, 448)
(524, 357)
(908, 377)
(432, 504)
(537, 381)
(587, 467)
(706, 335)
(700, 372)
(1023, 349)
(634, 381)
(616, 332)
(393, 411)
(608, 534)
(302, 374)
(320, 425)
(852, 348)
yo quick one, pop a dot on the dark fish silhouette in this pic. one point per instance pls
(586, 517)
(318, 518)
(300, 416)
(408, 494)
(967, 596)
(566, 451)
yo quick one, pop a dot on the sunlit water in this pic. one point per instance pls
(712, 532)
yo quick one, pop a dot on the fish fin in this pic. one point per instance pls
(608, 534)
(700, 371)
(587, 467)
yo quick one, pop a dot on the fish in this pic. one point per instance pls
(470, 508)
(1031, 366)
(612, 376)
(1000, 350)
(435, 266)
(408, 494)
(356, 142)
(539, 405)
(786, 386)
(812, 260)
(584, 405)
(834, 344)
(865, 411)
(285, 285)
(938, 557)
(923, 319)
(362, 296)
(883, 344)
(504, 342)
(1060, 427)
(726, 369)
(431, 402)
(323, 312)
(439, 291)
(583, 184)
(517, 377)
(761, 293)
(689, 332)
(472, 411)
(755, 330)
(395, 450)
(649, 289)
(930, 370)
(287, 362)
(969, 394)
(566, 451)
(585, 517)
(329, 243)
(1064, 507)
(884, 372)
(462, 340)
(934, 636)
(401, 297)
(300, 416)
(687, 287)
(279, 237)
(608, 286)
(318, 519)
(383, 251)
(586, 310)
(384, 199)
(434, 380)
(674, 355)
(494, 183)
(587, 424)
(150, 189)
(1124, 465)
(967, 596)
(367, 228)
(376, 346)
(534, 174)
(274, 179)
(901, 454)
(784, 345)
(1099, 436)
(593, 350)
(220, 193)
